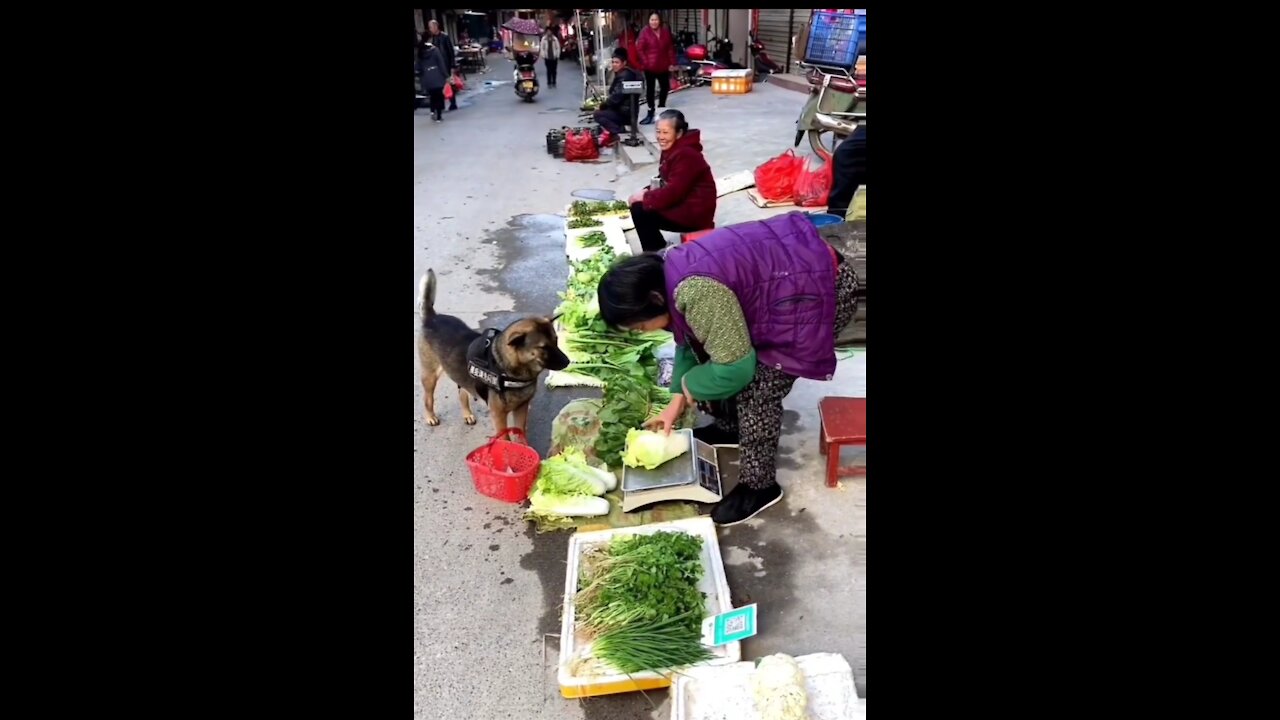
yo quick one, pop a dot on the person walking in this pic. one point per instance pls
(550, 47)
(431, 68)
(657, 55)
(445, 46)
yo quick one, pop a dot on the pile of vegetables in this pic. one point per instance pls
(639, 604)
(587, 208)
(595, 239)
(567, 486)
(583, 222)
(649, 449)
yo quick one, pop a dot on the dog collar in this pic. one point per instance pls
(482, 366)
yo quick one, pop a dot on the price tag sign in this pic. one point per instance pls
(731, 626)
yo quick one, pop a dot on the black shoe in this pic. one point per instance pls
(743, 503)
(714, 435)
(648, 119)
(452, 108)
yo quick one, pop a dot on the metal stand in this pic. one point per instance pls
(634, 88)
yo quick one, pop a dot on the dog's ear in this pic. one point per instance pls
(516, 340)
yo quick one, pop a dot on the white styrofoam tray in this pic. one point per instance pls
(724, 693)
(615, 238)
(713, 583)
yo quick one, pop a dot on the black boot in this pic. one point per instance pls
(648, 119)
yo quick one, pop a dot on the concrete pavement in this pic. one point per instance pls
(486, 589)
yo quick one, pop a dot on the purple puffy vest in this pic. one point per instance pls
(784, 275)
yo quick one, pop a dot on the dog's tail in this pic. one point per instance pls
(427, 295)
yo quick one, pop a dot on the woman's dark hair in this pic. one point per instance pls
(633, 290)
(677, 117)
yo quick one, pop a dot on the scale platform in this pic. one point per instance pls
(693, 477)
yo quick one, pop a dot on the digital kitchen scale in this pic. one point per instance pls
(694, 477)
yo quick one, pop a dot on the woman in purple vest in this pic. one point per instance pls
(752, 307)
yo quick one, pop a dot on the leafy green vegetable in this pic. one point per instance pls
(545, 504)
(569, 474)
(638, 596)
(593, 239)
(587, 208)
(582, 222)
(649, 449)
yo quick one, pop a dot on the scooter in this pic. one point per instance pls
(526, 76)
(764, 65)
(838, 112)
(704, 68)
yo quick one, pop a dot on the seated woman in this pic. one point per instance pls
(686, 198)
(752, 307)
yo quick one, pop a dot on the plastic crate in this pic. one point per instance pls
(833, 39)
(731, 82)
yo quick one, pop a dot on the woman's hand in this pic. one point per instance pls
(636, 197)
(666, 420)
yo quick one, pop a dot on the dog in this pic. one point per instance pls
(501, 368)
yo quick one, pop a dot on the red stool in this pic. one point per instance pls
(844, 422)
(690, 237)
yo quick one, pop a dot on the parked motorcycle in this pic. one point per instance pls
(702, 69)
(837, 105)
(764, 65)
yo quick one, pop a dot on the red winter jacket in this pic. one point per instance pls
(656, 51)
(688, 196)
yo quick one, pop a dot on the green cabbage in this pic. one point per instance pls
(648, 449)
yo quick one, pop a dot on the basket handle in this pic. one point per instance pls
(509, 431)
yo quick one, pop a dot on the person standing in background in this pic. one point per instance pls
(657, 55)
(445, 46)
(550, 47)
(434, 77)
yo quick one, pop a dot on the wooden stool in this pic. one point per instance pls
(844, 422)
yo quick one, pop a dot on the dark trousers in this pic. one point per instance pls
(437, 101)
(664, 86)
(453, 101)
(551, 71)
(611, 120)
(649, 227)
(849, 172)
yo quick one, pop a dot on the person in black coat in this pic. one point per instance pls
(849, 172)
(431, 67)
(615, 112)
(445, 46)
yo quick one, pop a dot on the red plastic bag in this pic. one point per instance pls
(775, 179)
(813, 186)
(448, 91)
(580, 146)
(457, 82)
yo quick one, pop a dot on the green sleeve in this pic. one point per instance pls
(719, 381)
(715, 317)
(685, 361)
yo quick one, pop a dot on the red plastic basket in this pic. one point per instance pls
(504, 470)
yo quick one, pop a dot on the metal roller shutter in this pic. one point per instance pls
(775, 32)
(690, 20)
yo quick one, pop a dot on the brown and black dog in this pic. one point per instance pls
(500, 368)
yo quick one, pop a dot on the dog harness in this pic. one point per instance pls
(483, 366)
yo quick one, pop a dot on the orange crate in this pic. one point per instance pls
(731, 82)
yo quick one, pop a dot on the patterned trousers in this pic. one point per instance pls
(755, 413)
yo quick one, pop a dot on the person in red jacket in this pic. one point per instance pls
(656, 56)
(685, 199)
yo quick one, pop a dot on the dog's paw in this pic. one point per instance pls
(469, 419)
(432, 420)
